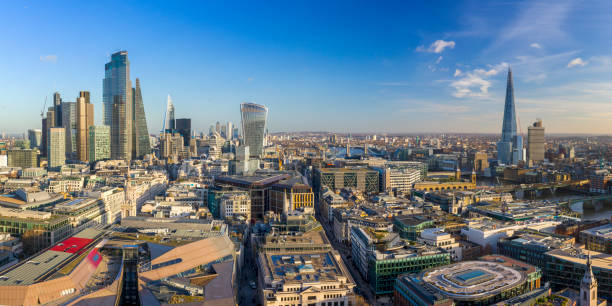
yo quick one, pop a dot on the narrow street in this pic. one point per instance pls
(345, 252)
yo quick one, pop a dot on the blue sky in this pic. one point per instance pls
(345, 66)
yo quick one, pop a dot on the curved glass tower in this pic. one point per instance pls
(254, 117)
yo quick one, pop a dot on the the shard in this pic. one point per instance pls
(510, 147)
(140, 133)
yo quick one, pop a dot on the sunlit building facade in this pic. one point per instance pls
(254, 117)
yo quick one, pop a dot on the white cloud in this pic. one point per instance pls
(536, 45)
(475, 83)
(577, 62)
(437, 47)
(51, 58)
(439, 59)
(457, 73)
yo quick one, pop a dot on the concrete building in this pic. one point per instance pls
(236, 203)
(600, 181)
(438, 238)
(84, 119)
(535, 141)
(302, 270)
(56, 148)
(24, 158)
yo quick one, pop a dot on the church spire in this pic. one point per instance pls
(588, 286)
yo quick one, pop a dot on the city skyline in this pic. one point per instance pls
(413, 74)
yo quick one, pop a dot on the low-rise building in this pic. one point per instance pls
(381, 257)
(236, 203)
(490, 280)
(532, 246)
(566, 268)
(302, 270)
(438, 238)
(37, 229)
(598, 239)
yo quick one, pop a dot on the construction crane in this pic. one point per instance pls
(42, 111)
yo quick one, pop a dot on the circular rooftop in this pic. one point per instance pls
(472, 279)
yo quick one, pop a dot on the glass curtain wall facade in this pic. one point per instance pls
(254, 117)
(510, 147)
(140, 137)
(117, 88)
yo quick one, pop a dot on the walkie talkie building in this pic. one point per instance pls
(254, 117)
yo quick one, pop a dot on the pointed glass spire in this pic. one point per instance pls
(169, 118)
(509, 123)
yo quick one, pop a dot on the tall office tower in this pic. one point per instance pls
(236, 133)
(183, 127)
(169, 123)
(510, 147)
(43, 138)
(57, 106)
(69, 123)
(229, 130)
(218, 127)
(223, 132)
(51, 117)
(120, 142)
(117, 98)
(48, 123)
(85, 119)
(99, 144)
(35, 137)
(254, 117)
(535, 141)
(140, 137)
(56, 148)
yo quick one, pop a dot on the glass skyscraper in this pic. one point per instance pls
(140, 136)
(510, 147)
(169, 123)
(254, 117)
(117, 88)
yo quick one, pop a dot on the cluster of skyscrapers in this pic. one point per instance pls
(68, 130)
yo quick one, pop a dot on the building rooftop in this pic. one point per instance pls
(579, 255)
(472, 279)
(604, 231)
(46, 263)
(534, 238)
(300, 268)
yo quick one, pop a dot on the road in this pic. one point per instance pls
(345, 252)
(247, 295)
